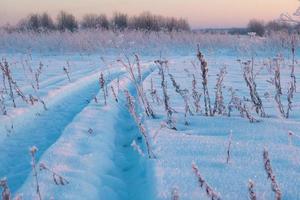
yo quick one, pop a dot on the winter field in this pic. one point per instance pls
(132, 116)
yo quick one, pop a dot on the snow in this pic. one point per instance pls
(98, 149)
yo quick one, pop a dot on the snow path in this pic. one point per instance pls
(100, 164)
(43, 129)
(135, 173)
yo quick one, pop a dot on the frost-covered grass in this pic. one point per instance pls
(205, 141)
(100, 142)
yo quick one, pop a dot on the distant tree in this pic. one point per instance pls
(33, 22)
(46, 22)
(66, 21)
(274, 26)
(95, 22)
(183, 24)
(36, 22)
(257, 27)
(145, 21)
(120, 21)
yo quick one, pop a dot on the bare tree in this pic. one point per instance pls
(66, 21)
(92, 21)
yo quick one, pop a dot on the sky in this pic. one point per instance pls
(200, 13)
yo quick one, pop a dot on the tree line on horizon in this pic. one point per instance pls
(119, 21)
(261, 28)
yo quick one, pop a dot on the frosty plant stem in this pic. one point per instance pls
(271, 176)
(7, 73)
(184, 93)
(291, 134)
(58, 179)
(138, 83)
(161, 65)
(67, 73)
(11, 83)
(204, 74)
(33, 151)
(2, 103)
(153, 93)
(138, 121)
(5, 190)
(236, 102)
(229, 148)
(252, 195)
(114, 93)
(293, 77)
(249, 79)
(196, 95)
(175, 194)
(37, 75)
(203, 184)
(219, 107)
(277, 84)
(102, 86)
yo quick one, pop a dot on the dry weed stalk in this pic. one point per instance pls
(102, 84)
(33, 151)
(203, 184)
(37, 74)
(293, 77)
(196, 95)
(252, 195)
(67, 73)
(7, 75)
(161, 64)
(271, 176)
(291, 134)
(175, 194)
(154, 94)
(251, 84)
(219, 107)
(204, 75)
(184, 93)
(228, 151)
(5, 190)
(138, 83)
(277, 84)
(2, 103)
(237, 103)
(57, 179)
(114, 93)
(276, 81)
(138, 121)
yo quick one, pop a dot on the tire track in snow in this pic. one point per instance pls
(100, 165)
(43, 130)
(132, 170)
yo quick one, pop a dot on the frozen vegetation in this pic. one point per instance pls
(133, 115)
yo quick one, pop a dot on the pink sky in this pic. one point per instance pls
(200, 13)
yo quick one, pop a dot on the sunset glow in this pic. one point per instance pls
(200, 13)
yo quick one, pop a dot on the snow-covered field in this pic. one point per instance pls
(91, 147)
